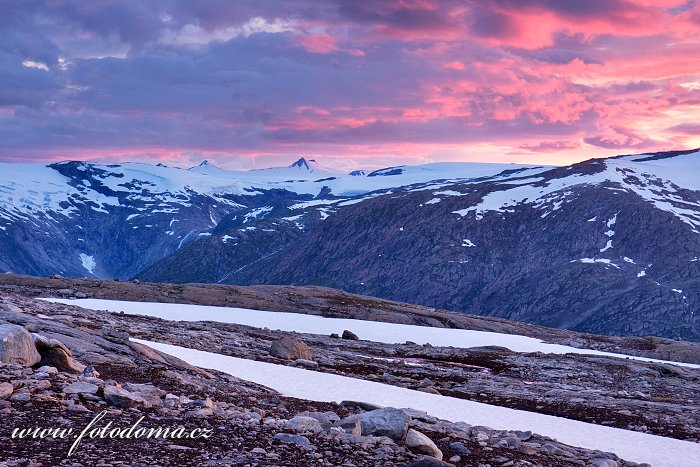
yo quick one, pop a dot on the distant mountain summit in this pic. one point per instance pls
(310, 165)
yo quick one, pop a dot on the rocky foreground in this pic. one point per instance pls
(67, 365)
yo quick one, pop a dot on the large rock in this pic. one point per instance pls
(302, 441)
(326, 419)
(290, 348)
(80, 387)
(55, 353)
(122, 398)
(388, 421)
(6, 390)
(418, 442)
(302, 424)
(17, 346)
(349, 335)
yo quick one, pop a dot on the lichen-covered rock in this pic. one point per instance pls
(17, 346)
(290, 348)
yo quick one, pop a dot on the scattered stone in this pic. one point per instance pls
(6, 390)
(349, 335)
(460, 448)
(81, 387)
(388, 421)
(290, 348)
(293, 439)
(122, 398)
(20, 397)
(10, 308)
(428, 461)
(420, 443)
(310, 364)
(301, 424)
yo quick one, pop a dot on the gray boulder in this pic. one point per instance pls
(17, 346)
(387, 421)
(301, 424)
(122, 398)
(418, 442)
(290, 348)
(326, 419)
(302, 441)
(80, 387)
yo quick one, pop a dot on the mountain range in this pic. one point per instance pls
(609, 246)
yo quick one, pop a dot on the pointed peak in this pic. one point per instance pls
(302, 163)
(204, 163)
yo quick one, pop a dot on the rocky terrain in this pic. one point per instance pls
(86, 364)
(332, 303)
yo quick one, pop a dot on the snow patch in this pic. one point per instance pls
(314, 385)
(255, 213)
(88, 263)
(376, 331)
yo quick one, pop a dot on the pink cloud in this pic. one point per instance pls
(318, 43)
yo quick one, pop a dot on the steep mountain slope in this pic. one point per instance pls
(606, 246)
(96, 220)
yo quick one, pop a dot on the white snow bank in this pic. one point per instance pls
(369, 330)
(312, 385)
(88, 262)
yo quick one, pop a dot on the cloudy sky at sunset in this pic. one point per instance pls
(352, 83)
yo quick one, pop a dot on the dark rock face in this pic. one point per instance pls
(548, 271)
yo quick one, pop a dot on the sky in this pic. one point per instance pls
(350, 83)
